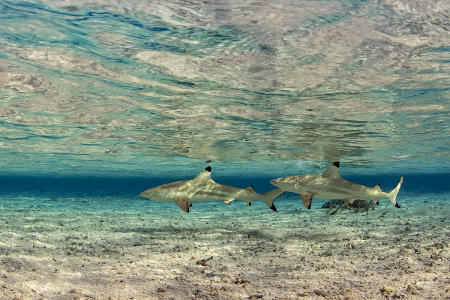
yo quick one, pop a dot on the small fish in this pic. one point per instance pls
(203, 188)
(330, 185)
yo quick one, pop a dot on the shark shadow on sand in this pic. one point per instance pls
(338, 205)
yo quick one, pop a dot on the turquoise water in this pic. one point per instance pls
(113, 88)
(103, 99)
(108, 98)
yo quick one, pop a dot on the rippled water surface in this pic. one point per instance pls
(151, 88)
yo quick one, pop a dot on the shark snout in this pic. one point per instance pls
(276, 182)
(150, 193)
(284, 183)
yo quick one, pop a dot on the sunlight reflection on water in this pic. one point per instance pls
(115, 87)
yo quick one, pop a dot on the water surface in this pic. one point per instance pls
(102, 99)
(157, 88)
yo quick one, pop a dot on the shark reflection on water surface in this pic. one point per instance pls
(203, 188)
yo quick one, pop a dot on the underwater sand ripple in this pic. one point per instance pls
(233, 253)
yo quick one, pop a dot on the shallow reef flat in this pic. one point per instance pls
(123, 248)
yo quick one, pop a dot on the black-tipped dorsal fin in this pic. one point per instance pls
(205, 175)
(332, 171)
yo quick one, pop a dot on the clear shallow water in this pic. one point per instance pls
(155, 89)
(100, 100)
(99, 244)
(122, 194)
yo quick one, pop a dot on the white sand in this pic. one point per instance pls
(234, 252)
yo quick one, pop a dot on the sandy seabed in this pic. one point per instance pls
(223, 252)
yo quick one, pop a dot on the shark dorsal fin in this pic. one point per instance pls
(250, 188)
(205, 175)
(332, 171)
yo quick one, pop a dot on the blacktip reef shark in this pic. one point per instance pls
(330, 185)
(203, 188)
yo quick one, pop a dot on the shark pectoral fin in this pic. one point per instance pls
(228, 202)
(307, 199)
(183, 203)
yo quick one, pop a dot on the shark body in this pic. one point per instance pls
(330, 185)
(203, 188)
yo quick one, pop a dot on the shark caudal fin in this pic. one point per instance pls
(393, 194)
(270, 196)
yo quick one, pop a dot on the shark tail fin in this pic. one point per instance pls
(393, 194)
(270, 196)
